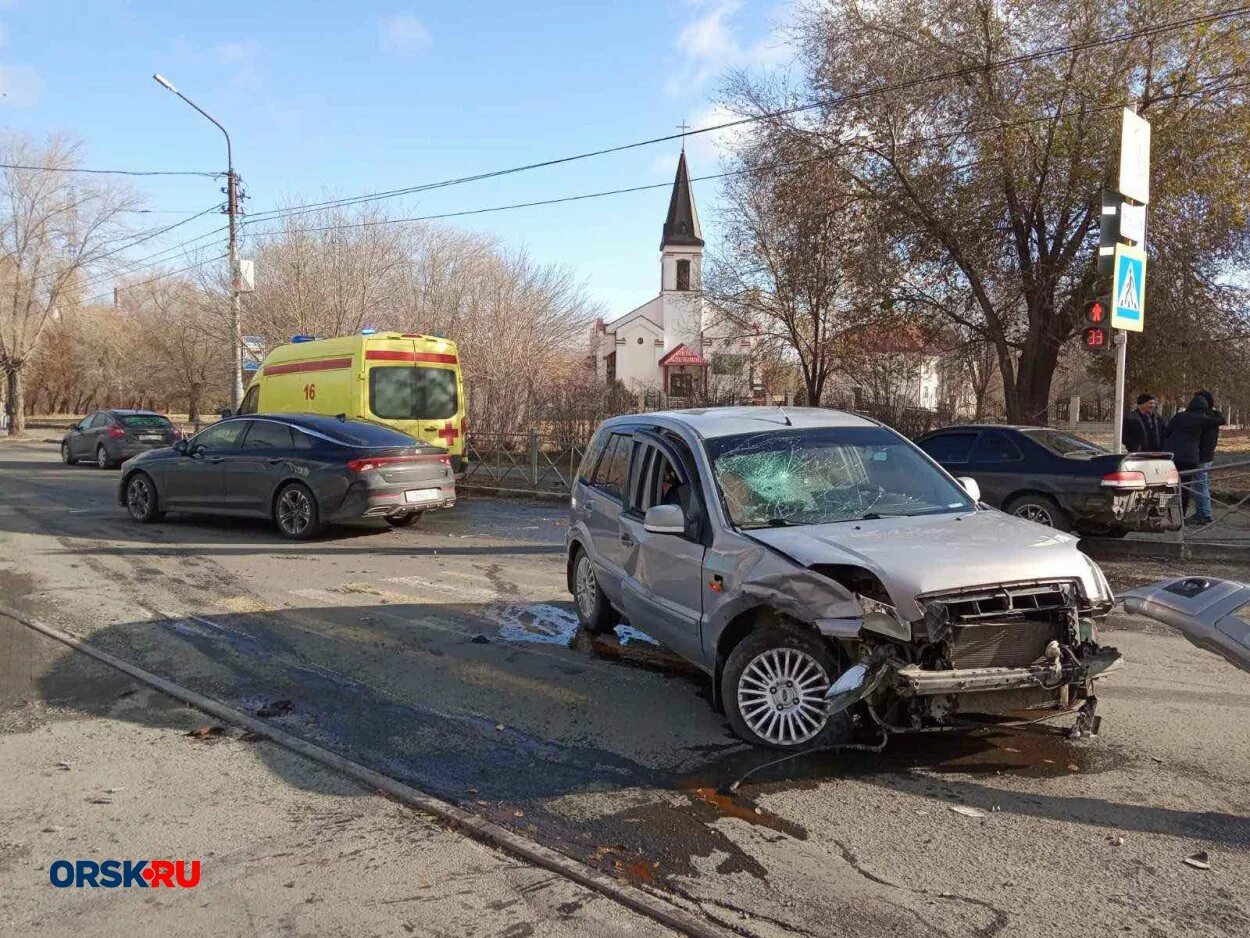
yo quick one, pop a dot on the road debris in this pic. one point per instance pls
(205, 732)
(1199, 860)
(1116, 840)
(110, 801)
(279, 708)
(966, 811)
(63, 766)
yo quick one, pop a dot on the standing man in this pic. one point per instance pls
(1184, 441)
(1207, 442)
(1142, 433)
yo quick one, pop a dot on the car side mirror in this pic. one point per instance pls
(664, 519)
(971, 487)
(181, 447)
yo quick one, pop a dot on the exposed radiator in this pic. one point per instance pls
(1001, 644)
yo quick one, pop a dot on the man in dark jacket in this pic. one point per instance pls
(1142, 433)
(1184, 442)
(1207, 443)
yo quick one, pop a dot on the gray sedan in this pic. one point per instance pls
(301, 470)
(109, 437)
(825, 572)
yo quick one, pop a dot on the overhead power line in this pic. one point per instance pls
(140, 239)
(171, 273)
(972, 131)
(1025, 58)
(111, 172)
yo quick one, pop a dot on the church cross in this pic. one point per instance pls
(683, 127)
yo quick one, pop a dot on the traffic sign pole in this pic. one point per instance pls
(1128, 278)
(1121, 375)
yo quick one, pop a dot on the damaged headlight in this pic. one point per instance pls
(883, 618)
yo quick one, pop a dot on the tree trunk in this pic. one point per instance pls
(14, 401)
(193, 404)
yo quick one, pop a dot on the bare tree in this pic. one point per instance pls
(55, 226)
(800, 266)
(990, 176)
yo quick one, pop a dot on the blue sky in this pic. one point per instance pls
(328, 99)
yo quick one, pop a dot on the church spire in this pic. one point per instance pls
(681, 227)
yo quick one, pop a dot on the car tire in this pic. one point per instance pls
(594, 611)
(102, 459)
(1040, 509)
(141, 499)
(773, 690)
(66, 457)
(295, 512)
(404, 521)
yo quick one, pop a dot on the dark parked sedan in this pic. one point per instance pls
(108, 437)
(303, 471)
(1059, 479)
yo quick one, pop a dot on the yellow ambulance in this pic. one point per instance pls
(408, 381)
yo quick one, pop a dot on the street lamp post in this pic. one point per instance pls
(232, 210)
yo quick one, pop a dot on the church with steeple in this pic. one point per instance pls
(673, 343)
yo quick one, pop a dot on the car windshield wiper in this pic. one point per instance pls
(770, 523)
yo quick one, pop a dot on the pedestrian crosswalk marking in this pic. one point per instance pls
(1128, 293)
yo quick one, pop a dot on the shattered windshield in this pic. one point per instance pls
(828, 474)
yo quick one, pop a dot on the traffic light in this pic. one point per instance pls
(1097, 333)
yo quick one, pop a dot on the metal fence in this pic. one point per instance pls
(521, 462)
(1229, 487)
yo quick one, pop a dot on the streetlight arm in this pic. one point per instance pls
(165, 83)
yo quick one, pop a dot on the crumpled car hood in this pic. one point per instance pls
(935, 553)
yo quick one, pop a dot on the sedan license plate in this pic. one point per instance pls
(421, 496)
(150, 438)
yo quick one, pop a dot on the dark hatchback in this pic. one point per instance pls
(1062, 480)
(109, 437)
(303, 471)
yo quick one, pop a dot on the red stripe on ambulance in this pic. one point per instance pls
(433, 358)
(322, 364)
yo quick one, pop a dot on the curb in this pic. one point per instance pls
(488, 832)
(518, 494)
(1124, 548)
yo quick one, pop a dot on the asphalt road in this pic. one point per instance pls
(448, 656)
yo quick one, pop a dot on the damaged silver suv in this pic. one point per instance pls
(826, 573)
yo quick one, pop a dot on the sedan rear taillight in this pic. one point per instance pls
(175, 433)
(1172, 478)
(365, 463)
(1124, 481)
(116, 432)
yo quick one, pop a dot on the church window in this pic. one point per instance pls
(640, 340)
(683, 275)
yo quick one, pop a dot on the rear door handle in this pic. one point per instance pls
(216, 459)
(276, 460)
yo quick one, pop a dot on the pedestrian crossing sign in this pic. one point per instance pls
(1128, 289)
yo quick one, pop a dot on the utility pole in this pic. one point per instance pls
(232, 210)
(236, 299)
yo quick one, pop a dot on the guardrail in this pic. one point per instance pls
(1229, 488)
(521, 462)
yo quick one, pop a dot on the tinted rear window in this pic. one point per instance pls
(265, 434)
(144, 420)
(365, 433)
(1065, 444)
(949, 447)
(407, 393)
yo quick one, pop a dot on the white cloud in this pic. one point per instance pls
(709, 45)
(242, 59)
(405, 35)
(20, 85)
